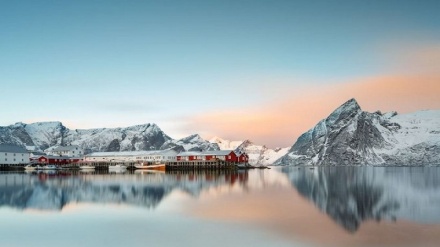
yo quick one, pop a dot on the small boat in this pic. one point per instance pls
(31, 167)
(87, 167)
(117, 167)
(48, 167)
(146, 165)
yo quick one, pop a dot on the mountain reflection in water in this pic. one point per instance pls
(52, 190)
(353, 195)
(325, 206)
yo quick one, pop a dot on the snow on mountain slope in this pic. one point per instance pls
(190, 143)
(225, 144)
(138, 137)
(350, 136)
(44, 135)
(259, 155)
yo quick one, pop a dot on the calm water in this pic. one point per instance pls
(345, 206)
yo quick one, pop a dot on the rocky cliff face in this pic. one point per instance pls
(140, 137)
(350, 136)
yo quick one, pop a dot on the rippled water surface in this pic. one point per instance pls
(290, 206)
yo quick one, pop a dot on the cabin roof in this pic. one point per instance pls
(217, 152)
(11, 148)
(65, 148)
(132, 153)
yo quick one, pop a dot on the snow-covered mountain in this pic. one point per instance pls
(259, 155)
(350, 136)
(43, 135)
(225, 144)
(190, 143)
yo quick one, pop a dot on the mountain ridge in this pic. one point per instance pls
(350, 136)
(149, 136)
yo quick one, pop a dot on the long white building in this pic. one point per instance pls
(133, 156)
(13, 155)
(69, 151)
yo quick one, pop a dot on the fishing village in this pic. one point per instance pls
(72, 157)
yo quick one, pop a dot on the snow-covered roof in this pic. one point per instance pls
(65, 148)
(132, 153)
(52, 157)
(10, 148)
(193, 153)
(219, 152)
(35, 153)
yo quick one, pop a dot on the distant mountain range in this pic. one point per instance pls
(43, 135)
(350, 136)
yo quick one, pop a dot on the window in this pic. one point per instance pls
(6, 159)
(14, 154)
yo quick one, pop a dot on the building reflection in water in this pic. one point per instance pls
(52, 190)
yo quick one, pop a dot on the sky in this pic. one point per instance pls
(260, 70)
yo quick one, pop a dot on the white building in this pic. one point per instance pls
(69, 151)
(13, 155)
(133, 156)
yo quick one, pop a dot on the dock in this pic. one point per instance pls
(173, 165)
(200, 165)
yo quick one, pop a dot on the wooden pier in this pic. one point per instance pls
(11, 167)
(200, 164)
(105, 165)
(171, 165)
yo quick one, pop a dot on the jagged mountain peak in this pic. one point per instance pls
(347, 110)
(190, 143)
(193, 137)
(46, 123)
(149, 136)
(216, 139)
(48, 134)
(350, 136)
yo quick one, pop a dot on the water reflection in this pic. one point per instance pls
(263, 205)
(53, 190)
(349, 195)
(353, 195)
